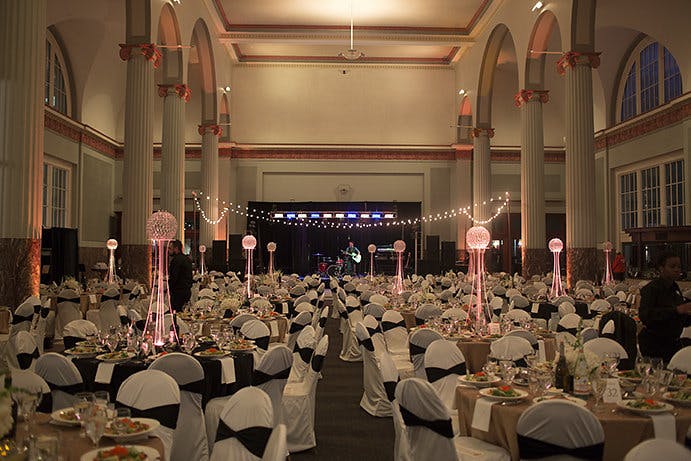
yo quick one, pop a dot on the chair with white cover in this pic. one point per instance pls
(304, 306)
(426, 312)
(401, 447)
(299, 322)
(389, 374)
(62, 377)
(444, 364)
(302, 354)
(23, 316)
(352, 354)
(299, 403)
(271, 376)
(257, 331)
(239, 320)
(601, 306)
(375, 333)
(518, 315)
(455, 313)
(395, 332)
(244, 428)
(153, 394)
(374, 400)
(579, 435)
(589, 334)
(31, 382)
(375, 310)
(78, 330)
(21, 351)
(602, 346)
(569, 323)
(681, 360)
(321, 322)
(525, 334)
(566, 308)
(428, 427)
(277, 446)
(189, 442)
(513, 348)
(108, 315)
(658, 449)
(67, 309)
(418, 342)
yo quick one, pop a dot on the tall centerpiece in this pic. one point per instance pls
(477, 238)
(372, 248)
(249, 243)
(161, 228)
(271, 247)
(399, 248)
(607, 279)
(202, 265)
(556, 246)
(112, 245)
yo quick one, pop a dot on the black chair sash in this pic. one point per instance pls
(259, 377)
(140, 324)
(44, 312)
(441, 426)
(262, 342)
(296, 327)
(46, 403)
(37, 308)
(414, 349)
(167, 415)
(343, 314)
(521, 363)
(126, 291)
(419, 321)
(228, 313)
(253, 438)
(435, 374)
(71, 341)
(68, 389)
(390, 388)
(530, 448)
(305, 353)
(314, 301)
(68, 300)
(573, 331)
(110, 298)
(24, 359)
(373, 331)
(132, 296)
(322, 321)
(195, 387)
(317, 363)
(367, 344)
(350, 309)
(17, 319)
(124, 320)
(386, 325)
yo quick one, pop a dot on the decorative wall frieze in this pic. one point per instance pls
(525, 96)
(149, 50)
(574, 58)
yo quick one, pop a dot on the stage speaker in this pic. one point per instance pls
(236, 261)
(432, 247)
(219, 257)
(448, 256)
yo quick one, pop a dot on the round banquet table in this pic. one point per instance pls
(211, 387)
(623, 430)
(477, 351)
(72, 447)
(278, 327)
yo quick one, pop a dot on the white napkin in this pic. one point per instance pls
(227, 370)
(664, 426)
(541, 354)
(274, 328)
(104, 372)
(482, 414)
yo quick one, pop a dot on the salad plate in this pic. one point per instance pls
(212, 352)
(124, 429)
(115, 357)
(66, 416)
(576, 400)
(122, 453)
(479, 379)
(681, 398)
(645, 406)
(503, 393)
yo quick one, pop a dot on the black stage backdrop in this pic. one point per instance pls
(300, 249)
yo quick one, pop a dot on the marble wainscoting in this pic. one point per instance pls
(136, 263)
(581, 264)
(535, 262)
(20, 270)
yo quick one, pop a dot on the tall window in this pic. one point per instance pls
(56, 195)
(657, 81)
(650, 188)
(674, 188)
(628, 191)
(56, 94)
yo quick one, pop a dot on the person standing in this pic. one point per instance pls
(619, 267)
(179, 276)
(352, 257)
(663, 311)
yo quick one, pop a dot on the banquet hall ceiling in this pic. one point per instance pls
(386, 31)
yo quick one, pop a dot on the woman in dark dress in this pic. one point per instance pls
(663, 311)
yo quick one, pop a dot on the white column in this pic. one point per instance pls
(532, 181)
(137, 170)
(210, 134)
(173, 152)
(463, 192)
(581, 229)
(22, 64)
(482, 173)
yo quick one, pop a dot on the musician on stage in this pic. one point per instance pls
(352, 257)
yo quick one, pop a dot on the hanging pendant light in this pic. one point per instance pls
(351, 54)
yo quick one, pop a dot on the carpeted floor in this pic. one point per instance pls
(344, 430)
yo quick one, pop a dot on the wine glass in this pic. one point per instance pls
(508, 370)
(598, 384)
(643, 366)
(491, 367)
(655, 364)
(81, 407)
(611, 361)
(101, 398)
(96, 424)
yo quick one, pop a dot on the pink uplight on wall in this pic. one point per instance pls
(556, 246)
(477, 238)
(249, 243)
(399, 248)
(608, 279)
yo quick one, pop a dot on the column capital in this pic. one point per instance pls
(210, 128)
(525, 96)
(183, 91)
(573, 58)
(479, 132)
(149, 50)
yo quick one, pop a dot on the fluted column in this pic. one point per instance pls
(137, 170)
(482, 173)
(532, 181)
(22, 64)
(581, 233)
(462, 198)
(210, 134)
(173, 152)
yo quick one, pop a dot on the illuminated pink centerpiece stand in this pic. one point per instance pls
(477, 238)
(399, 248)
(556, 246)
(202, 265)
(607, 278)
(112, 245)
(249, 243)
(271, 246)
(372, 248)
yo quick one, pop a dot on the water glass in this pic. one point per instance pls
(599, 385)
(47, 447)
(534, 383)
(508, 371)
(95, 424)
(611, 361)
(82, 407)
(643, 366)
(102, 398)
(664, 379)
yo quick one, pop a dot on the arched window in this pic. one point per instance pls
(652, 78)
(56, 92)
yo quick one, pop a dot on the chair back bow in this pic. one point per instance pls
(531, 448)
(441, 426)
(386, 325)
(259, 377)
(435, 373)
(253, 438)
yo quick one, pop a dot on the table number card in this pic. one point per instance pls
(92, 299)
(612, 392)
(494, 328)
(535, 309)
(274, 328)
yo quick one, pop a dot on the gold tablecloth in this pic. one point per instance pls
(476, 352)
(72, 447)
(623, 430)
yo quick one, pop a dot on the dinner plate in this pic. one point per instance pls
(645, 411)
(120, 437)
(576, 400)
(633, 379)
(151, 453)
(491, 382)
(487, 392)
(210, 355)
(85, 353)
(120, 357)
(59, 416)
(682, 403)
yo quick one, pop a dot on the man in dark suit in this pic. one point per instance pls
(179, 276)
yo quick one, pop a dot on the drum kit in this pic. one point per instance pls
(327, 266)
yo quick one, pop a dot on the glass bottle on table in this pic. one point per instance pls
(562, 378)
(581, 374)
